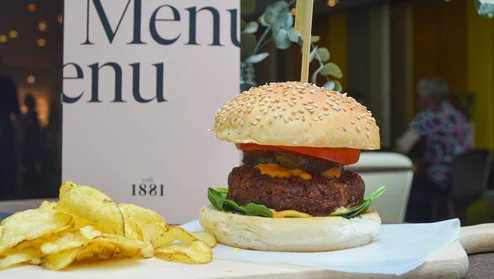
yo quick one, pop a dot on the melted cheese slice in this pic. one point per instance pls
(278, 171)
(289, 213)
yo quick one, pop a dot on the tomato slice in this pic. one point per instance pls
(345, 156)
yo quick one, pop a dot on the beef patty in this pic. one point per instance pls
(319, 196)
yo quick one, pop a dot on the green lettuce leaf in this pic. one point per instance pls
(217, 197)
(363, 207)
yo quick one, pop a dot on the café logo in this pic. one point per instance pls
(155, 24)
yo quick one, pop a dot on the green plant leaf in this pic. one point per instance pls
(281, 39)
(323, 54)
(217, 197)
(289, 21)
(276, 15)
(331, 69)
(314, 75)
(337, 86)
(247, 45)
(329, 85)
(312, 54)
(256, 58)
(315, 39)
(247, 7)
(363, 207)
(293, 35)
(251, 27)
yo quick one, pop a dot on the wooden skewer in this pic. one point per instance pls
(303, 25)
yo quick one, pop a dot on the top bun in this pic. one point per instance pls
(297, 114)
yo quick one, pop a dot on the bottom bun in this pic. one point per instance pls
(315, 234)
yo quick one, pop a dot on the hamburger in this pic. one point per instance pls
(292, 192)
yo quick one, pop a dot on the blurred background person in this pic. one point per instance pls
(9, 110)
(445, 134)
(31, 146)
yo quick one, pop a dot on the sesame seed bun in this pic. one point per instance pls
(315, 234)
(297, 114)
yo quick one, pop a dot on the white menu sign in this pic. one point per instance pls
(142, 82)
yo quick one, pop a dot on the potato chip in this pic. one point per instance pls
(127, 247)
(151, 223)
(68, 241)
(96, 252)
(196, 252)
(148, 251)
(182, 235)
(93, 205)
(60, 260)
(132, 230)
(19, 257)
(47, 206)
(31, 224)
(208, 238)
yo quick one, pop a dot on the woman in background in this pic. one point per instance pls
(446, 134)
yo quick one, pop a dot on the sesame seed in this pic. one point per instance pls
(281, 113)
(297, 117)
(285, 93)
(301, 111)
(290, 104)
(367, 128)
(368, 134)
(328, 102)
(278, 106)
(320, 116)
(253, 122)
(293, 112)
(304, 103)
(326, 113)
(344, 109)
(326, 107)
(270, 120)
(273, 109)
(290, 117)
(295, 142)
(358, 129)
(275, 115)
(309, 101)
(286, 120)
(270, 105)
(315, 105)
(350, 143)
(353, 122)
(344, 129)
(315, 119)
(313, 91)
(294, 101)
(303, 117)
(258, 117)
(308, 107)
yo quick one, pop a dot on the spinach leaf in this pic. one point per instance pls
(363, 207)
(218, 199)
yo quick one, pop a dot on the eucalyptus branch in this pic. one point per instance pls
(319, 59)
(266, 32)
(266, 43)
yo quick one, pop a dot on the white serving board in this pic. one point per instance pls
(452, 262)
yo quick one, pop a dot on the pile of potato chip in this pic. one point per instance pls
(87, 225)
